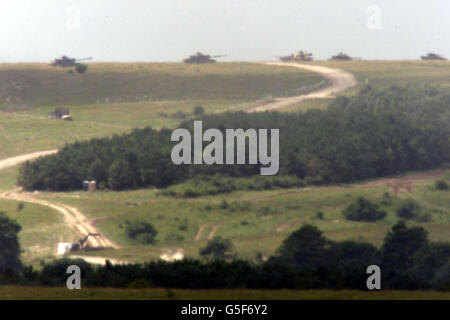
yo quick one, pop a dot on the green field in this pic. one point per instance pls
(31, 85)
(42, 293)
(255, 221)
(113, 98)
(42, 229)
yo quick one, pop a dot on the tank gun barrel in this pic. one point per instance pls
(84, 59)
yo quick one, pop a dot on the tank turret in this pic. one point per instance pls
(433, 56)
(65, 61)
(341, 56)
(201, 58)
(297, 57)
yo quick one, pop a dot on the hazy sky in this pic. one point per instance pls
(169, 30)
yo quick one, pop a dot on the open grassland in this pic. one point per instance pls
(382, 74)
(24, 134)
(55, 293)
(113, 98)
(255, 221)
(42, 229)
(31, 85)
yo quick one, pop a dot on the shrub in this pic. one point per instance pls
(408, 209)
(441, 185)
(198, 111)
(142, 231)
(81, 68)
(424, 217)
(363, 210)
(217, 248)
(319, 215)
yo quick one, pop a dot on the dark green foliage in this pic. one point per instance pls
(81, 68)
(142, 231)
(399, 248)
(54, 273)
(305, 260)
(217, 248)
(140, 284)
(441, 185)
(306, 247)
(408, 209)
(198, 111)
(373, 134)
(363, 210)
(432, 262)
(218, 184)
(9, 244)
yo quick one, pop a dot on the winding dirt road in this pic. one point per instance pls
(338, 79)
(73, 217)
(14, 161)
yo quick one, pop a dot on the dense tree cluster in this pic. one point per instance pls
(9, 244)
(305, 260)
(363, 210)
(375, 133)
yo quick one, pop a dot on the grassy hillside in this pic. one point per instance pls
(41, 293)
(379, 73)
(114, 98)
(30, 85)
(382, 74)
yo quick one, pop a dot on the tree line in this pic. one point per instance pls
(305, 260)
(373, 134)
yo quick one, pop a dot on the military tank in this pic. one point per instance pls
(341, 56)
(65, 61)
(299, 56)
(202, 58)
(433, 56)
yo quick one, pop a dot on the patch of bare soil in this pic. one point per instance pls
(338, 80)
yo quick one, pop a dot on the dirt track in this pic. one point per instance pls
(339, 80)
(13, 161)
(73, 217)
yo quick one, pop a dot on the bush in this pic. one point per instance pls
(363, 210)
(81, 68)
(142, 231)
(408, 209)
(218, 248)
(198, 111)
(441, 185)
